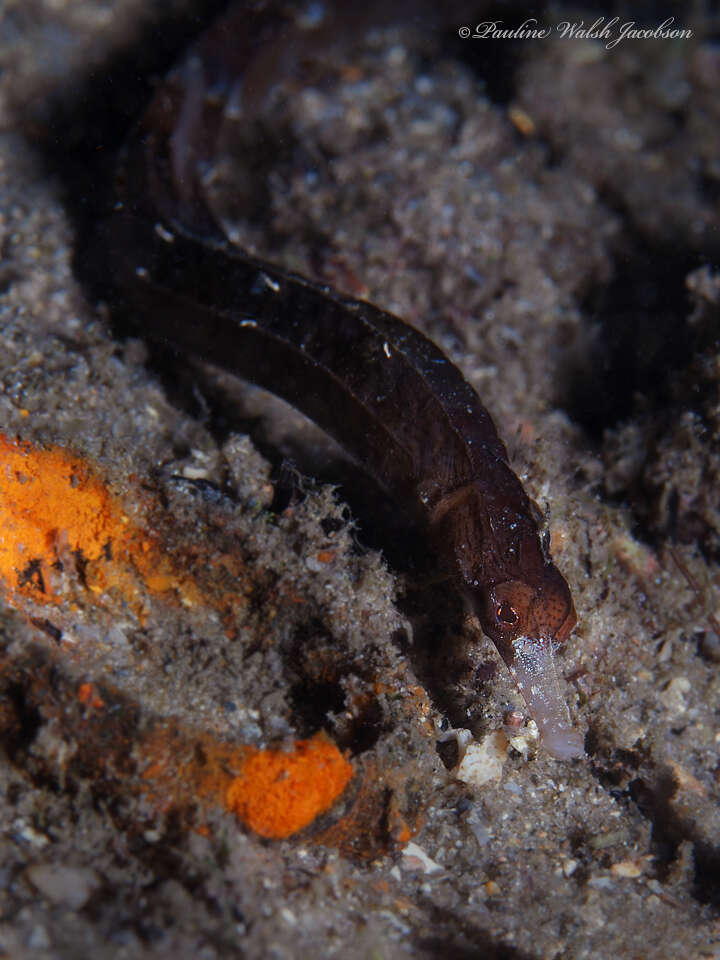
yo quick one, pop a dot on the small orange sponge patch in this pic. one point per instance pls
(274, 792)
(50, 504)
(60, 524)
(279, 792)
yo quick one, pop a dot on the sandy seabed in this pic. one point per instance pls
(546, 211)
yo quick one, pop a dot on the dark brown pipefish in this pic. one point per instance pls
(378, 386)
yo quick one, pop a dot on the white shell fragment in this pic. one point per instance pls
(415, 859)
(482, 761)
(64, 885)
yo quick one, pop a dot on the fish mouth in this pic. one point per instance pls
(535, 672)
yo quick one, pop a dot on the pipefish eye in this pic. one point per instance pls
(506, 614)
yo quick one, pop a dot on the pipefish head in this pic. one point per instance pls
(519, 608)
(527, 621)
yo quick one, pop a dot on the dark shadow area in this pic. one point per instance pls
(669, 830)
(632, 779)
(493, 62)
(644, 373)
(80, 129)
(21, 723)
(458, 938)
(707, 874)
(653, 801)
(639, 338)
(332, 691)
(442, 654)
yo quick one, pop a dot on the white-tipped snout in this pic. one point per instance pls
(535, 674)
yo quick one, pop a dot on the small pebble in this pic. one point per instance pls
(64, 885)
(627, 869)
